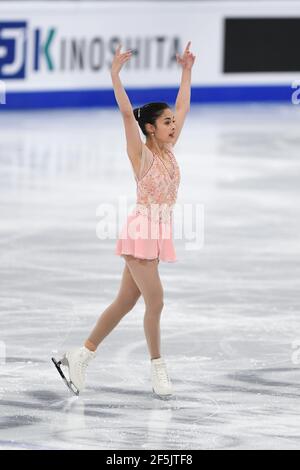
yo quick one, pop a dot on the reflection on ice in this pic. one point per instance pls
(229, 329)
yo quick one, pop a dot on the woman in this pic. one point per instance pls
(146, 237)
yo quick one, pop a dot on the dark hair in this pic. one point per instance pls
(148, 114)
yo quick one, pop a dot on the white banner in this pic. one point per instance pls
(70, 46)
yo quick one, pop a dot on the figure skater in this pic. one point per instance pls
(157, 178)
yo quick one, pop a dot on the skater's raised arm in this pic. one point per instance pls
(184, 95)
(182, 105)
(133, 139)
(120, 94)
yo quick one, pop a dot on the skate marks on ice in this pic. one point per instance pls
(232, 312)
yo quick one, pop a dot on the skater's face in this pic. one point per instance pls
(165, 126)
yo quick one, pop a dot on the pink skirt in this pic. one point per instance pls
(146, 239)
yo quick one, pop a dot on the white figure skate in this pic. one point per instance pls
(76, 361)
(161, 383)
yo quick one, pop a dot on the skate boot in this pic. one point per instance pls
(161, 384)
(76, 361)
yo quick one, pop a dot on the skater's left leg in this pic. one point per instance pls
(146, 276)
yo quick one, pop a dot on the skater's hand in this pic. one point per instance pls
(120, 59)
(187, 59)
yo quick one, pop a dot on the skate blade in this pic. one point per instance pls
(68, 383)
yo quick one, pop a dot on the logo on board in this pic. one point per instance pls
(13, 48)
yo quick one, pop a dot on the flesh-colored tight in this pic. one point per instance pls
(140, 277)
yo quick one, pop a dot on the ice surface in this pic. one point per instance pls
(231, 313)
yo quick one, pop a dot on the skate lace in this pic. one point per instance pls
(82, 363)
(162, 373)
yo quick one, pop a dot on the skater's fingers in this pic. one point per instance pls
(188, 45)
(118, 49)
(126, 53)
(123, 59)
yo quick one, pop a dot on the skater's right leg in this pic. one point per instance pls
(127, 297)
(77, 360)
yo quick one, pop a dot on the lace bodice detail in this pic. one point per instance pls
(157, 184)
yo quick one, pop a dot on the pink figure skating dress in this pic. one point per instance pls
(147, 232)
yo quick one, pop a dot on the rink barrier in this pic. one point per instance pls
(106, 98)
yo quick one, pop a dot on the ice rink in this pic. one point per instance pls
(231, 314)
